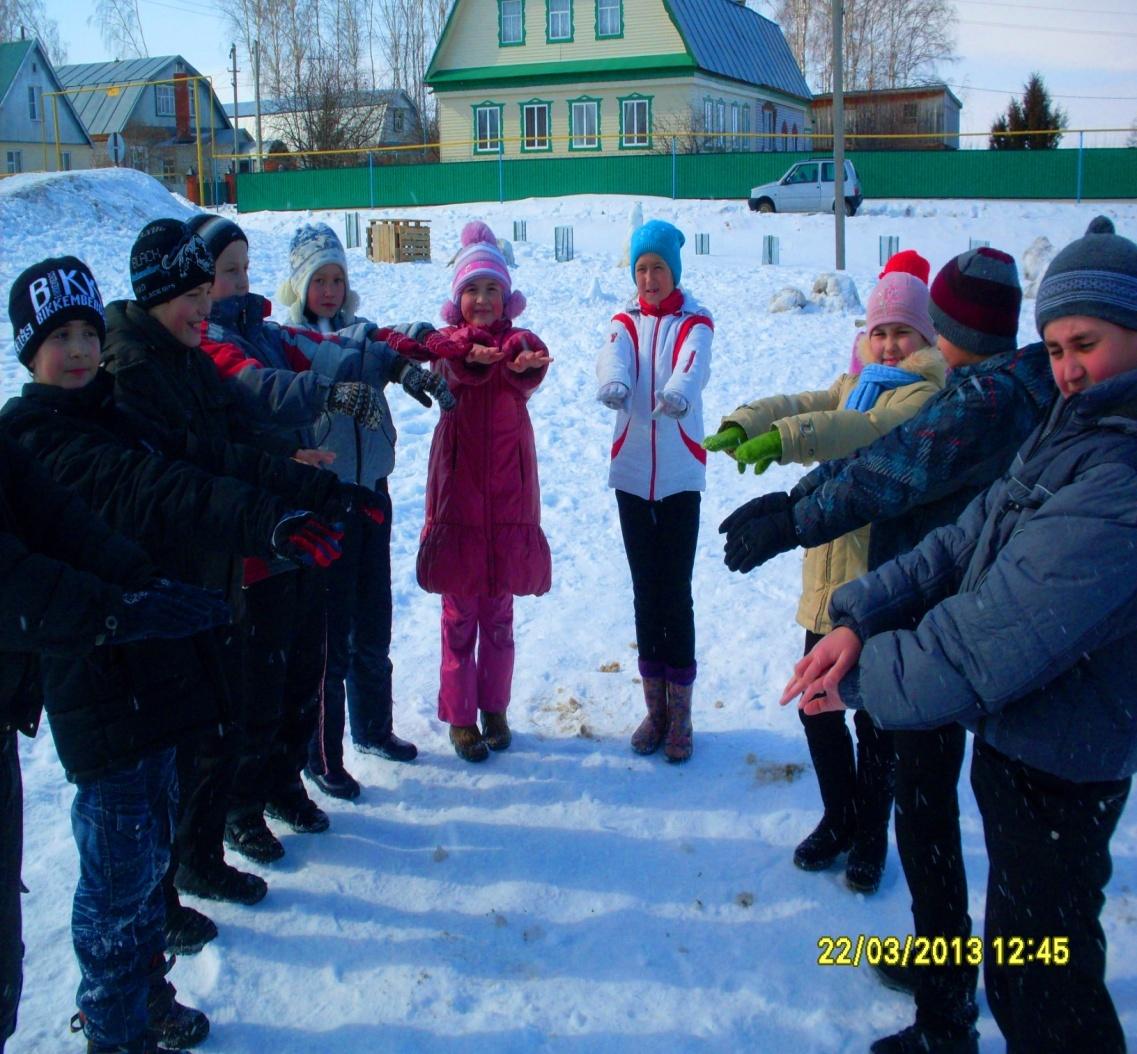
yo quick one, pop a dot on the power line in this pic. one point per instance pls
(1054, 95)
(187, 10)
(1048, 29)
(1033, 7)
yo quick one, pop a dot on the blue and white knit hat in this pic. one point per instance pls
(1095, 276)
(663, 239)
(313, 246)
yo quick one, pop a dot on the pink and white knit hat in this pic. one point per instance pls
(901, 298)
(480, 257)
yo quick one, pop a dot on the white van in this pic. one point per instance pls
(808, 187)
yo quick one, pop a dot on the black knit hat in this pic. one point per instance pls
(46, 296)
(1095, 276)
(217, 232)
(976, 299)
(166, 260)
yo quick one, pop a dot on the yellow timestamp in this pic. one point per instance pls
(917, 951)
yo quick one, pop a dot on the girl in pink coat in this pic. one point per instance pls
(482, 542)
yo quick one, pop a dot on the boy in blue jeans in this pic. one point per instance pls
(1020, 620)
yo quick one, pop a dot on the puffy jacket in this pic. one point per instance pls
(291, 368)
(61, 571)
(664, 349)
(179, 404)
(815, 426)
(1020, 619)
(482, 534)
(922, 474)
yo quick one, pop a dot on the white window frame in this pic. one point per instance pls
(611, 11)
(735, 126)
(15, 162)
(65, 161)
(559, 19)
(532, 138)
(510, 18)
(588, 113)
(490, 142)
(637, 138)
(164, 102)
(33, 102)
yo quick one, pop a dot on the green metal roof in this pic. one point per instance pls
(12, 56)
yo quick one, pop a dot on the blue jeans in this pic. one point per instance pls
(122, 824)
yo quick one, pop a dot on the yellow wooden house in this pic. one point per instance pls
(540, 78)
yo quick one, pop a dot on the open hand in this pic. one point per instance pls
(817, 677)
(315, 458)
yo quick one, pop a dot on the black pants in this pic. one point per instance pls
(11, 859)
(1048, 845)
(285, 638)
(359, 642)
(659, 538)
(856, 788)
(928, 765)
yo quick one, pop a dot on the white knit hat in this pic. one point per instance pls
(313, 246)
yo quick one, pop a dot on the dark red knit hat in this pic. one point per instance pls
(975, 301)
(909, 262)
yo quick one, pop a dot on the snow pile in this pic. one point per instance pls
(1035, 260)
(834, 291)
(788, 299)
(566, 896)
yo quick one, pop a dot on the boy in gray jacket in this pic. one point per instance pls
(1020, 621)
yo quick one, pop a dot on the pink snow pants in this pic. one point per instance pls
(465, 685)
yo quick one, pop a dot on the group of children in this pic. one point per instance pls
(968, 548)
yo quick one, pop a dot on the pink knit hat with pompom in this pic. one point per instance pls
(480, 257)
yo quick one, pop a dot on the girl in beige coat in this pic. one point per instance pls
(902, 370)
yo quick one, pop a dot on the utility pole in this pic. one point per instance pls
(233, 58)
(839, 133)
(257, 102)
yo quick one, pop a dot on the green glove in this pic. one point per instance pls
(761, 451)
(726, 438)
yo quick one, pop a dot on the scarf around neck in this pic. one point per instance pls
(875, 379)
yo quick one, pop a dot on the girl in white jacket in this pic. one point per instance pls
(652, 373)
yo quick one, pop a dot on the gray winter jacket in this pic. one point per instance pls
(1020, 619)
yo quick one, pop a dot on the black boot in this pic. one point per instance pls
(219, 881)
(293, 807)
(248, 834)
(919, 1039)
(168, 1021)
(876, 782)
(831, 750)
(187, 930)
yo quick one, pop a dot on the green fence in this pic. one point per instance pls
(1101, 173)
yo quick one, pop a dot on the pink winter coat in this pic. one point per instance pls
(482, 534)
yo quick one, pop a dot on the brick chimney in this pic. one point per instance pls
(182, 131)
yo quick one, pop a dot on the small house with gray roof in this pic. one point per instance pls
(161, 106)
(39, 129)
(544, 78)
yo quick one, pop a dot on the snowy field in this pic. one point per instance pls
(566, 896)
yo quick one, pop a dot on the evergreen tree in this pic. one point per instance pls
(1034, 113)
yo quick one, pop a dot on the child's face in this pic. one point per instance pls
(653, 279)
(1086, 351)
(182, 317)
(69, 357)
(231, 272)
(326, 291)
(954, 355)
(482, 301)
(893, 342)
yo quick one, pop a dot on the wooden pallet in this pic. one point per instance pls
(398, 241)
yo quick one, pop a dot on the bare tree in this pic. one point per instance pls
(1131, 139)
(887, 43)
(29, 18)
(410, 31)
(120, 27)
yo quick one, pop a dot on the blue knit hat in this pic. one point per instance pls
(661, 238)
(1095, 276)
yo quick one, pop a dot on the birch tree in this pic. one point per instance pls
(29, 18)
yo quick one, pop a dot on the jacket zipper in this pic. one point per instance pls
(651, 405)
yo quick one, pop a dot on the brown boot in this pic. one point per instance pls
(468, 743)
(679, 742)
(647, 738)
(495, 730)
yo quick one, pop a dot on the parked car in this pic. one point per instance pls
(808, 187)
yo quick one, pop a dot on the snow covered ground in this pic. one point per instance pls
(566, 896)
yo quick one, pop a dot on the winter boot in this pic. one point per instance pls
(468, 743)
(495, 730)
(647, 738)
(294, 808)
(919, 1039)
(167, 1020)
(248, 834)
(876, 782)
(678, 743)
(831, 751)
(219, 881)
(145, 1045)
(187, 930)
(336, 783)
(392, 748)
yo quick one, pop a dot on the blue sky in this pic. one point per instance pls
(1085, 55)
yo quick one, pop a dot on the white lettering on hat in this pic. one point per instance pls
(40, 292)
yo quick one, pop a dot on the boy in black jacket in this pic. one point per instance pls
(68, 585)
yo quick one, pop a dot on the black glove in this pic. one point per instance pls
(357, 400)
(305, 539)
(758, 531)
(164, 609)
(352, 498)
(417, 382)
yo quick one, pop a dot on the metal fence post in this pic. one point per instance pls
(889, 247)
(371, 179)
(1078, 189)
(674, 171)
(501, 170)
